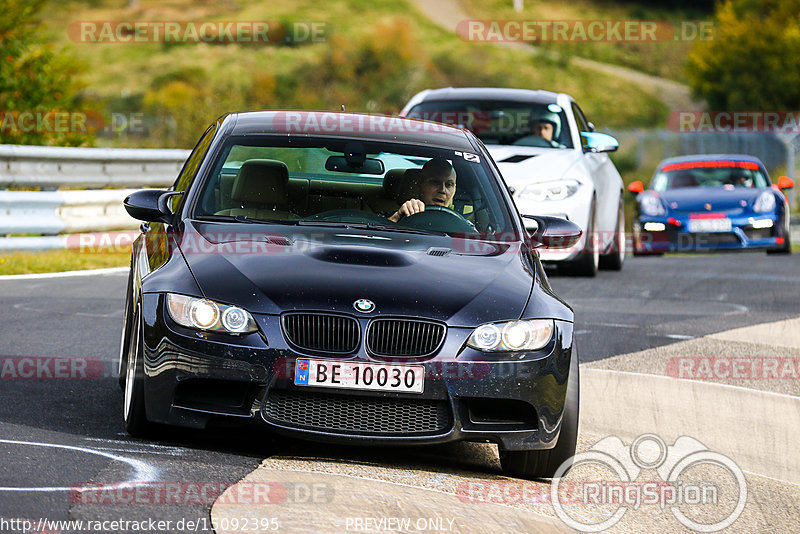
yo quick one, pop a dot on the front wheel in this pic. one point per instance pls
(136, 423)
(589, 258)
(616, 256)
(786, 248)
(545, 463)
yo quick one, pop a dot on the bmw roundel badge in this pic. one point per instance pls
(364, 305)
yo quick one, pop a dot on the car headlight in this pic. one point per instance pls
(555, 190)
(651, 205)
(204, 314)
(764, 202)
(526, 334)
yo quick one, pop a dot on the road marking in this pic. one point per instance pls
(143, 472)
(90, 272)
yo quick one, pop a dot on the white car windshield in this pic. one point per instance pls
(502, 122)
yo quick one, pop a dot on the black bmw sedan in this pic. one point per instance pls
(354, 279)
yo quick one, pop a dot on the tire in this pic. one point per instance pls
(616, 257)
(125, 340)
(545, 463)
(133, 411)
(589, 258)
(786, 248)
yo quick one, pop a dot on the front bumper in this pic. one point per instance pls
(677, 238)
(193, 379)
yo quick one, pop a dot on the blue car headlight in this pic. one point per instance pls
(651, 205)
(525, 334)
(204, 314)
(764, 202)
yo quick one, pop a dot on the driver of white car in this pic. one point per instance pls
(436, 186)
(545, 125)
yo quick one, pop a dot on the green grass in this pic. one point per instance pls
(660, 58)
(51, 261)
(220, 78)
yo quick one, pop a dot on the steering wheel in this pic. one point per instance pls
(433, 219)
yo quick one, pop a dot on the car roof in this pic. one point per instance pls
(490, 93)
(359, 126)
(704, 157)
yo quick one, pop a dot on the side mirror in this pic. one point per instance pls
(636, 187)
(150, 205)
(553, 232)
(599, 142)
(784, 182)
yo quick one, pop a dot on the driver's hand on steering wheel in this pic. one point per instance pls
(409, 207)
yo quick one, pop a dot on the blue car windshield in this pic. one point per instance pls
(301, 180)
(726, 177)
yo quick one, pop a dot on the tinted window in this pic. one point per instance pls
(705, 174)
(286, 180)
(502, 122)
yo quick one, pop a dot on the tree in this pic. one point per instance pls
(38, 82)
(750, 63)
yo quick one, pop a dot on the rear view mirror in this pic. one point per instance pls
(366, 166)
(784, 182)
(553, 232)
(150, 205)
(636, 187)
(599, 142)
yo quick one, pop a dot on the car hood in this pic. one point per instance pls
(320, 268)
(697, 199)
(521, 165)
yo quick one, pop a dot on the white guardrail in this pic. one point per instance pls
(91, 206)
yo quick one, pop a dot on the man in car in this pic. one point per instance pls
(436, 187)
(543, 126)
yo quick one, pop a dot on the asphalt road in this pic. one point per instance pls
(61, 433)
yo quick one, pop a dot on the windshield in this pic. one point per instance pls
(330, 182)
(727, 174)
(502, 122)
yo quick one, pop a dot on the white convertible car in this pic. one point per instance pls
(551, 159)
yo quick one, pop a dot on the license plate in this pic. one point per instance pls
(356, 375)
(710, 225)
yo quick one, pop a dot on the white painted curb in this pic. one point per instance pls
(758, 430)
(88, 272)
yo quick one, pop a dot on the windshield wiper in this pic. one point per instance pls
(404, 229)
(244, 219)
(371, 226)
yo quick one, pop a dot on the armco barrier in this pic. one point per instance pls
(53, 167)
(55, 212)
(92, 209)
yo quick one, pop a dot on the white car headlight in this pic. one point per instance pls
(526, 334)
(555, 190)
(764, 202)
(204, 314)
(651, 205)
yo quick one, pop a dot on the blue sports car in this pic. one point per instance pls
(711, 202)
